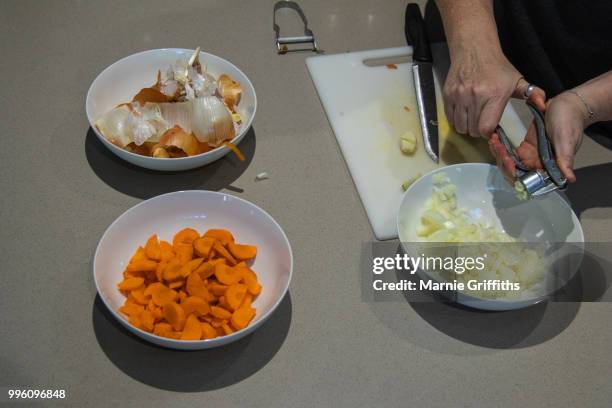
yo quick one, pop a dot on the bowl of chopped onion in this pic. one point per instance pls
(171, 109)
(514, 252)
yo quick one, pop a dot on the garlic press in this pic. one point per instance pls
(541, 181)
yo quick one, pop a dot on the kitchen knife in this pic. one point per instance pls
(422, 72)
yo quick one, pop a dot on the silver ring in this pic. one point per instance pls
(529, 91)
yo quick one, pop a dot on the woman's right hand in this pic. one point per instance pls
(478, 86)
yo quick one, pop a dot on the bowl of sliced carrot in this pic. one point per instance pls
(193, 269)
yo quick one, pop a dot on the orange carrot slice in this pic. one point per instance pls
(167, 251)
(130, 283)
(161, 294)
(216, 323)
(223, 303)
(242, 252)
(222, 235)
(185, 236)
(250, 280)
(152, 249)
(142, 266)
(162, 329)
(184, 252)
(175, 315)
(130, 308)
(195, 287)
(242, 317)
(217, 289)
(187, 268)
(176, 284)
(220, 313)
(135, 320)
(227, 275)
(192, 329)
(195, 305)
(228, 330)
(205, 270)
(147, 321)
(202, 246)
(140, 296)
(247, 301)
(172, 271)
(139, 255)
(208, 332)
(159, 272)
(220, 249)
(235, 295)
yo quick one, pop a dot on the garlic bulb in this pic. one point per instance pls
(211, 121)
(195, 82)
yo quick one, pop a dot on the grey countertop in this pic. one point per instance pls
(60, 189)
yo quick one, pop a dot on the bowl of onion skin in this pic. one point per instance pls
(121, 81)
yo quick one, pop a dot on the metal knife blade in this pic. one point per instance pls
(422, 72)
(424, 85)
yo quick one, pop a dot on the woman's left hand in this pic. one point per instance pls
(565, 118)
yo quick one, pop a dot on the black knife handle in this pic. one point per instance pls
(416, 34)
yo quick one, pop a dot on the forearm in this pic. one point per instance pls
(469, 24)
(597, 93)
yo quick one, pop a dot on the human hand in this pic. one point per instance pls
(477, 89)
(565, 118)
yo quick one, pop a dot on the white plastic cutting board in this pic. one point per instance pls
(366, 107)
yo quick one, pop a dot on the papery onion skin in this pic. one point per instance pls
(230, 90)
(146, 123)
(160, 152)
(150, 95)
(114, 127)
(177, 137)
(178, 113)
(212, 121)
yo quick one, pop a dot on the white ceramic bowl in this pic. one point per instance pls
(165, 215)
(482, 190)
(122, 80)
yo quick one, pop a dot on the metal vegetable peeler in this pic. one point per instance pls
(542, 181)
(307, 38)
